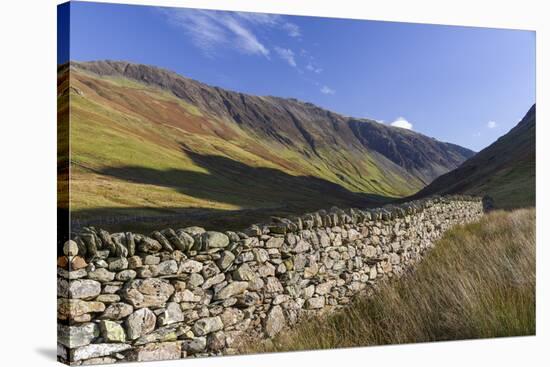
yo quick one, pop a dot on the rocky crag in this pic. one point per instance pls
(192, 292)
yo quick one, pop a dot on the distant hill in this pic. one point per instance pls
(505, 170)
(146, 141)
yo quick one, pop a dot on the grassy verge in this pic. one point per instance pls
(479, 282)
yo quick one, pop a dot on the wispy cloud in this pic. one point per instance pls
(402, 123)
(326, 90)
(211, 30)
(287, 55)
(313, 68)
(292, 29)
(491, 124)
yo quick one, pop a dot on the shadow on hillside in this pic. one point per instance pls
(262, 191)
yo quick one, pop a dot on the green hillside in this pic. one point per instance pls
(149, 144)
(505, 170)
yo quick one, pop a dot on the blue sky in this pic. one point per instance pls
(458, 84)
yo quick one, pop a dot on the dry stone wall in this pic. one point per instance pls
(192, 292)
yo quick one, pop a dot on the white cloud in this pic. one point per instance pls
(311, 67)
(210, 30)
(476, 134)
(491, 124)
(292, 30)
(287, 55)
(402, 123)
(327, 90)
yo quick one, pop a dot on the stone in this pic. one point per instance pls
(78, 335)
(273, 285)
(244, 272)
(195, 280)
(216, 341)
(140, 322)
(71, 275)
(195, 345)
(260, 255)
(275, 321)
(274, 242)
(171, 314)
(78, 262)
(112, 332)
(63, 262)
(62, 288)
(311, 271)
(231, 289)
(163, 334)
(101, 275)
(149, 245)
(373, 273)
(118, 264)
(151, 260)
(135, 262)
(214, 239)
(98, 361)
(231, 316)
(216, 279)
(324, 288)
(71, 308)
(107, 298)
(394, 258)
(125, 275)
(97, 350)
(117, 311)
(165, 268)
(186, 296)
(151, 292)
(226, 260)
(207, 325)
(156, 352)
(84, 288)
(315, 303)
(301, 246)
(70, 248)
(266, 270)
(190, 266)
(194, 231)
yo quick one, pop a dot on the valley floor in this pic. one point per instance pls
(478, 282)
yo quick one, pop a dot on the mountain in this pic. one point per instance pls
(147, 141)
(505, 170)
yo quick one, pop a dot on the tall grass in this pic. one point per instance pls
(478, 282)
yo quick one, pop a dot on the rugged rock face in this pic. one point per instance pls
(225, 287)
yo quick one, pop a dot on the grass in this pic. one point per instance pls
(478, 282)
(123, 126)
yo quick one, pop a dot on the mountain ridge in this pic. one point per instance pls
(505, 170)
(147, 142)
(249, 110)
